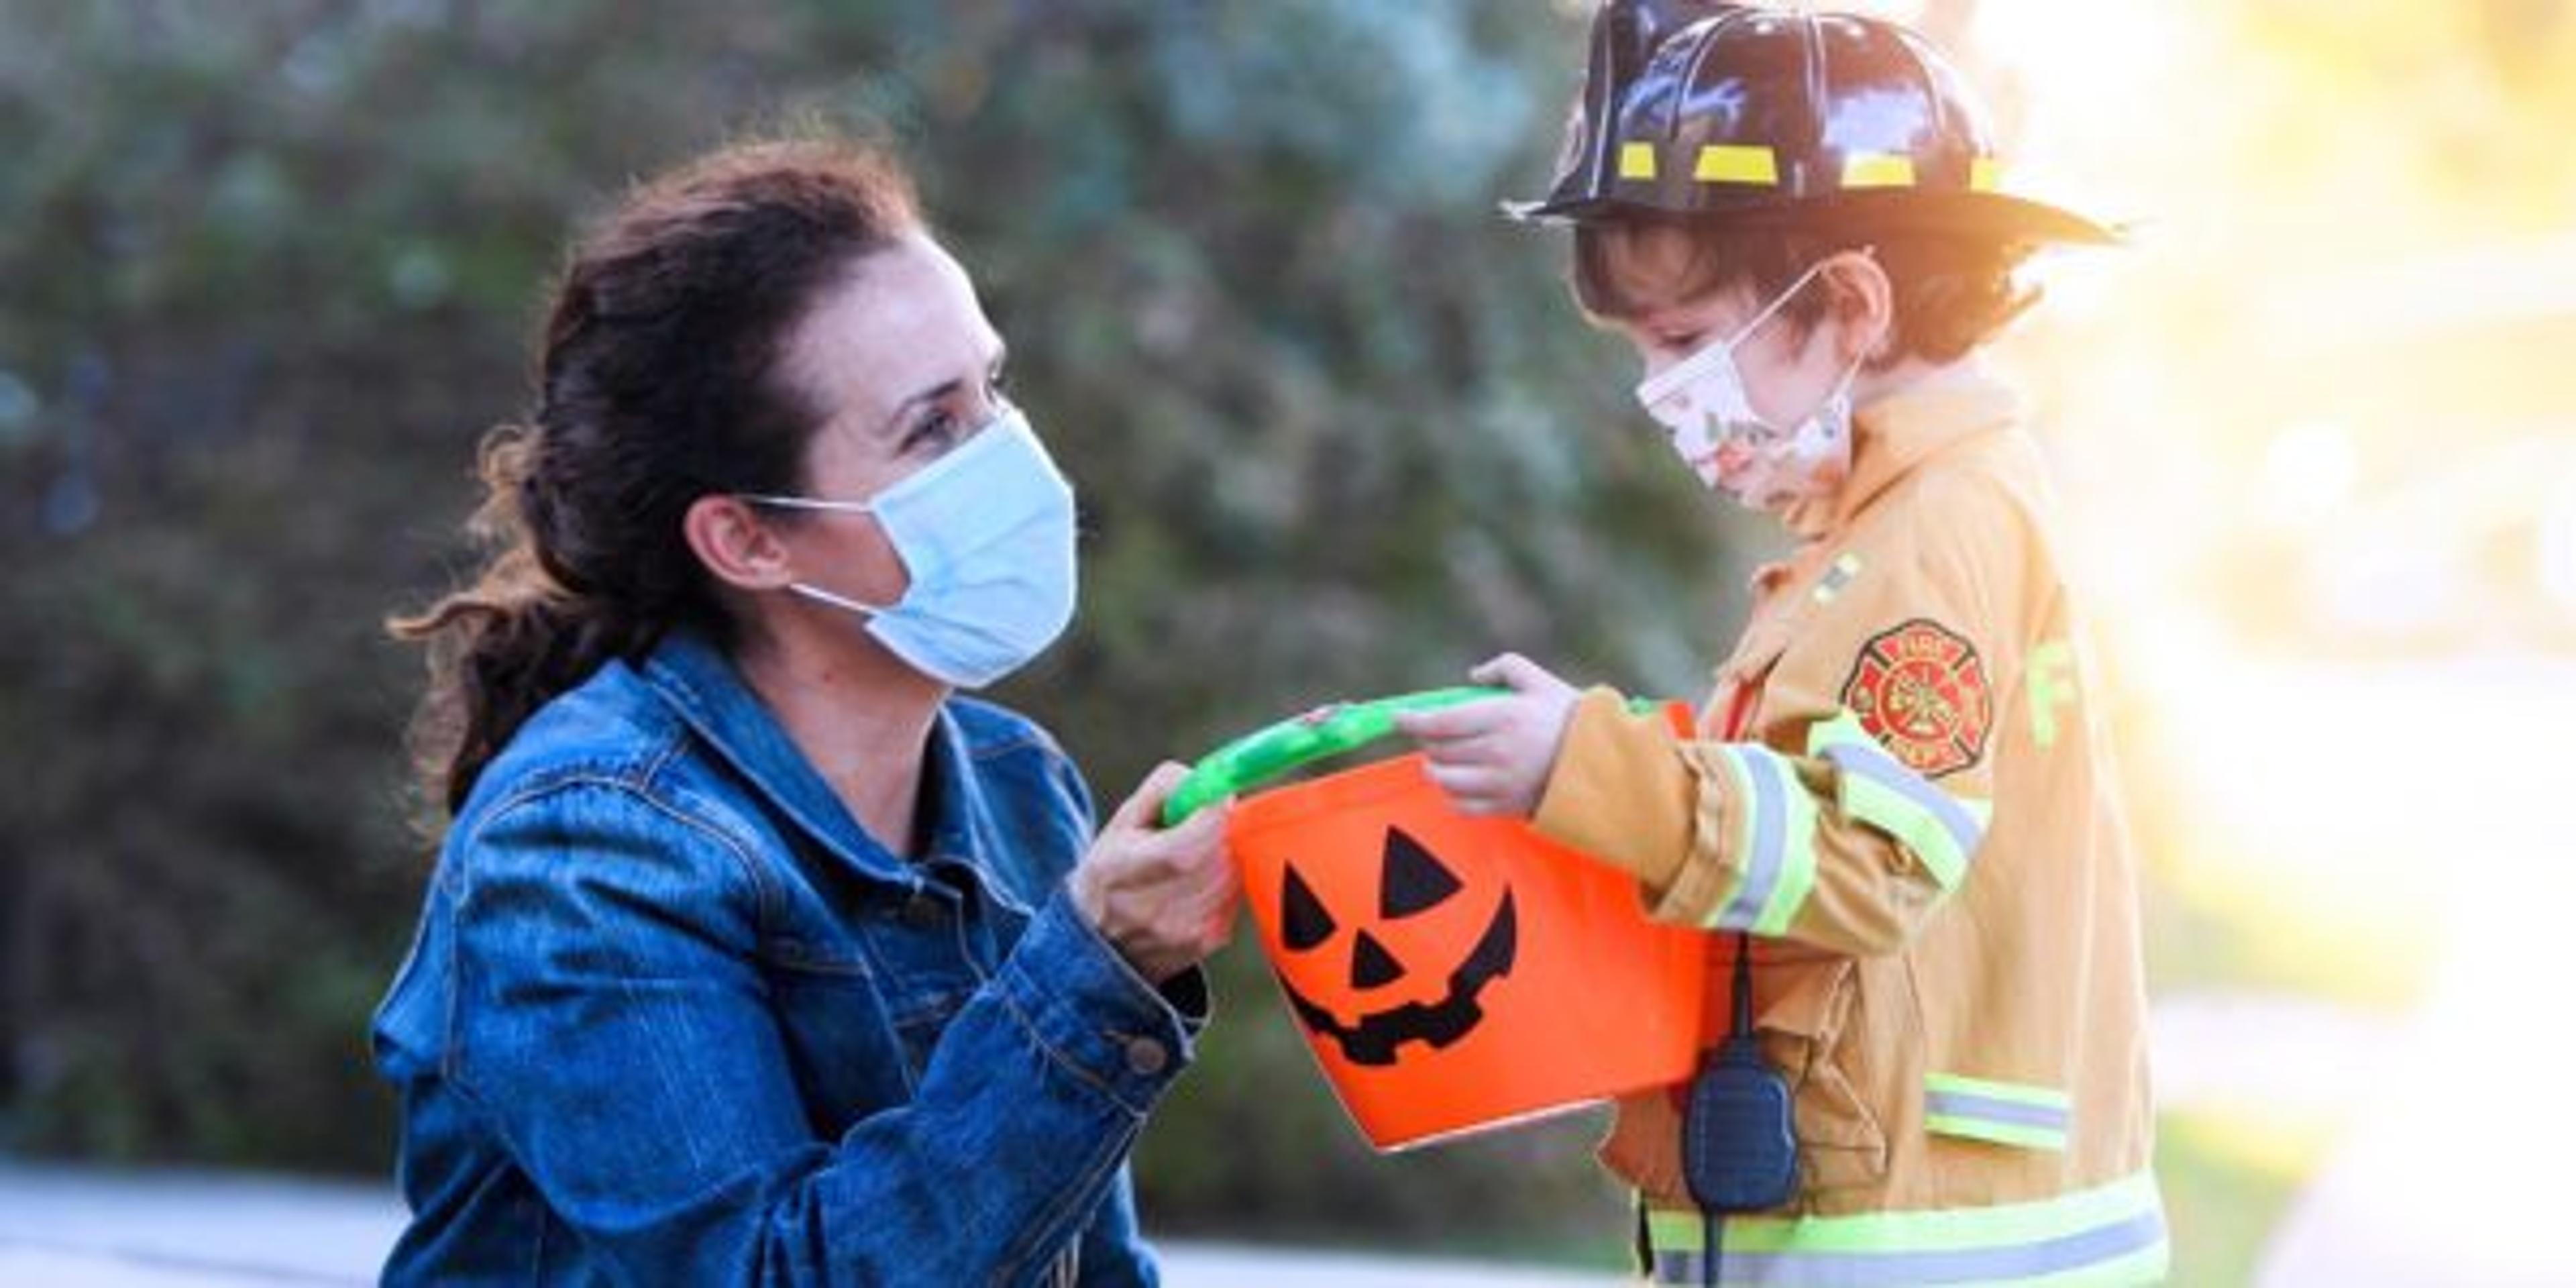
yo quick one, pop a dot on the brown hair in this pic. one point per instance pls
(659, 381)
(1952, 292)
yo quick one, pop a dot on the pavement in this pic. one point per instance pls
(71, 1227)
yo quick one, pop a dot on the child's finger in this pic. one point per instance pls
(1464, 783)
(1461, 753)
(1448, 724)
(1512, 671)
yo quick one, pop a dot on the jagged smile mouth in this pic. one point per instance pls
(1377, 1038)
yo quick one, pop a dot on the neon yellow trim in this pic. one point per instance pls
(1637, 161)
(1986, 174)
(1797, 849)
(1909, 824)
(1737, 163)
(1742, 826)
(1999, 1133)
(1876, 804)
(2050, 678)
(1845, 729)
(2021, 1093)
(1878, 170)
(2004, 1225)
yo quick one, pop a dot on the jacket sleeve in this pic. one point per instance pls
(1859, 797)
(613, 1026)
(1113, 1250)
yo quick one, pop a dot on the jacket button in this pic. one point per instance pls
(1146, 1057)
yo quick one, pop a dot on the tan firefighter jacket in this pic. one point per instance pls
(1902, 792)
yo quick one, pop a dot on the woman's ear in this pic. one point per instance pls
(737, 548)
(1865, 300)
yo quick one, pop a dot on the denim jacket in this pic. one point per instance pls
(672, 1016)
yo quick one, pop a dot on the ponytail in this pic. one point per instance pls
(506, 645)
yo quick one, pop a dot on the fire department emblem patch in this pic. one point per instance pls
(1921, 691)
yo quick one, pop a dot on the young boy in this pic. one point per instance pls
(1899, 802)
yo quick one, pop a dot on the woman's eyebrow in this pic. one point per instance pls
(937, 392)
(894, 419)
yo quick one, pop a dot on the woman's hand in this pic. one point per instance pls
(1494, 756)
(1164, 899)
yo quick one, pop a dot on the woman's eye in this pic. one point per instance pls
(938, 429)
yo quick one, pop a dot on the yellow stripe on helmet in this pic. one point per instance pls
(1738, 163)
(1878, 170)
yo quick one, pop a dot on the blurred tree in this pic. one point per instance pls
(268, 269)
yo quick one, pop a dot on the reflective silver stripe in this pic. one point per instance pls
(1989, 1109)
(1762, 867)
(2073, 1252)
(1872, 762)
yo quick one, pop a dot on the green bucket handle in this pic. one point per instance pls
(1265, 756)
(1298, 741)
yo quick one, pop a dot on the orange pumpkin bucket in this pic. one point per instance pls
(1451, 973)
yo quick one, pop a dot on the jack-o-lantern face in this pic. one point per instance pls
(1417, 898)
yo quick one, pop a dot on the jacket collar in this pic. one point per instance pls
(701, 683)
(1901, 431)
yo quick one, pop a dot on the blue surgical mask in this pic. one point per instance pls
(986, 535)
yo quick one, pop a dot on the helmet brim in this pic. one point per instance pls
(1991, 215)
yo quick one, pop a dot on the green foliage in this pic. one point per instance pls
(269, 270)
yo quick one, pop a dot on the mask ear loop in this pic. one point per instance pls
(1655, 390)
(806, 503)
(1867, 251)
(817, 593)
(843, 602)
(1003, 414)
(1777, 303)
(1851, 373)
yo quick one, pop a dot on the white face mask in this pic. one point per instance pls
(1701, 401)
(985, 534)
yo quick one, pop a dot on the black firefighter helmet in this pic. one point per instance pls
(1700, 109)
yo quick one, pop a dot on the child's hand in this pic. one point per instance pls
(1493, 756)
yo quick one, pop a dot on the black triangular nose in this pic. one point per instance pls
(1372, 965)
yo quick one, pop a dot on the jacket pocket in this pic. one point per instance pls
(1811, 1011)
(2019, 1114)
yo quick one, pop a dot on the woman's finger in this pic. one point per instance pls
(1204, 830)
(1142, 804)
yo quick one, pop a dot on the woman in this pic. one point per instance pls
(753, 954)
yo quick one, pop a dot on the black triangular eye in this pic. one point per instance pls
(1302, 919)
(1414, 880)
(1371, 964)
